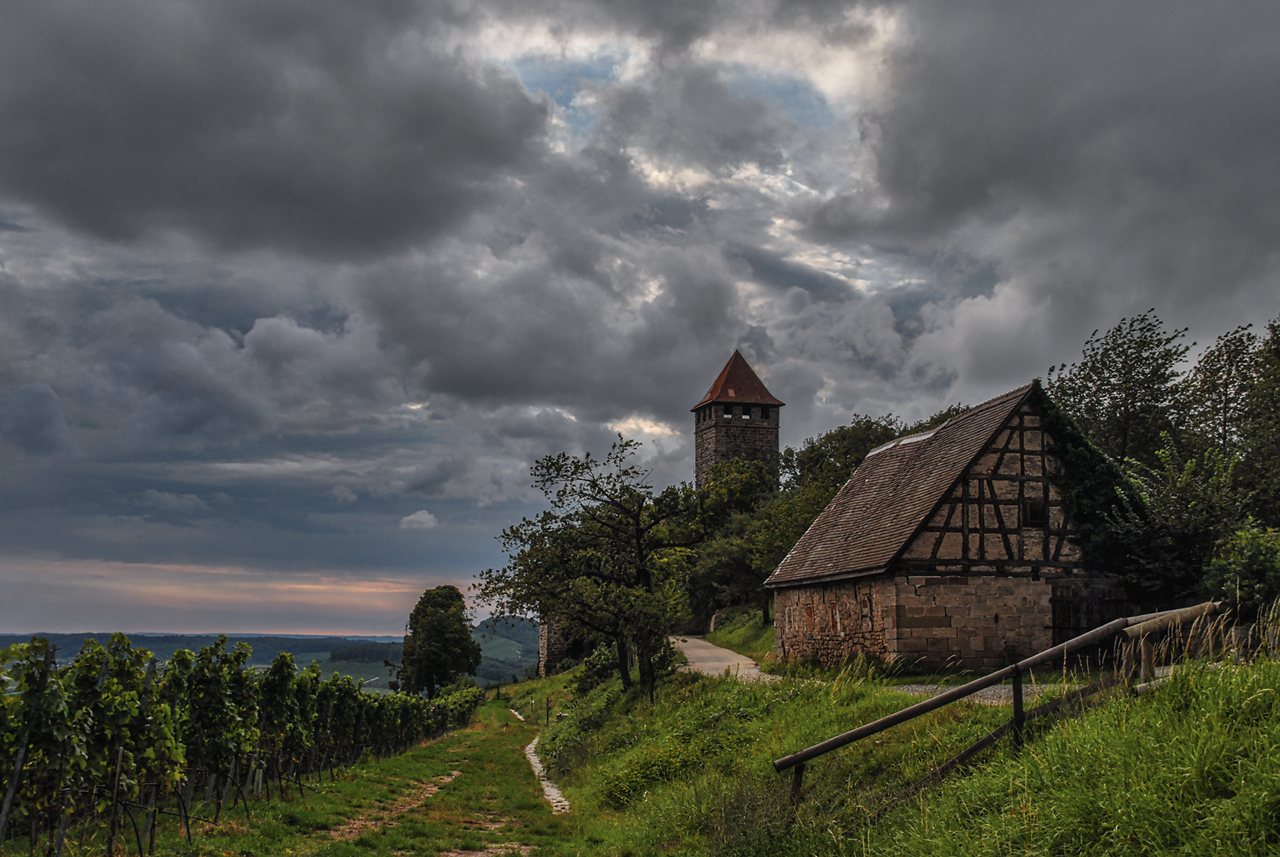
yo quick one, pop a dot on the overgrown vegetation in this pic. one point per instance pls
(1189, 768)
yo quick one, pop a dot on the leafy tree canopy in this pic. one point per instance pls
(1124, 391)
(608, 556)
(438, 646)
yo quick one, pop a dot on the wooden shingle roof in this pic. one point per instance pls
(891, 495)
(739, 384)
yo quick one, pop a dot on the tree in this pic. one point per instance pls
(609, 556)
(438, 646)
(1246, 571)
(1218, 390)
(1124, 393)
(830, 459)
(1260, 432)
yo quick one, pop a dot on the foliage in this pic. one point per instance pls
(438, 645)
(597, 668)
(830, 459)
(1124, 391)
(65, 730)
(1260, 433)
(1217, 391)
(1190, 505)
(1245, 571)
(609, 556)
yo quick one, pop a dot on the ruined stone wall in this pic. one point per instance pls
(830, 622)
(725, 432)
(552, 646)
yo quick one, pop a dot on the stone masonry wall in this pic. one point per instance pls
(974, 622)
(977, 622)
(744, 433)
(831, 622)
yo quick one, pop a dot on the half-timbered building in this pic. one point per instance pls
(951, 546)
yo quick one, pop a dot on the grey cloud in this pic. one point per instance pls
(34, 420)
(431, 480)
(320, 127)
(1137, 135)
(687, 114)
(184, 505)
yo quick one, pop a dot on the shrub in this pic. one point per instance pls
(597, 668)
(1245, 571)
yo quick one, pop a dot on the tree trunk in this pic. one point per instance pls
(624, 668)
(644, 654)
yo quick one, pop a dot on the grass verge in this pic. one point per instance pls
(1193, 768)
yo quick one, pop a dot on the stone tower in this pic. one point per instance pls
(737, 418)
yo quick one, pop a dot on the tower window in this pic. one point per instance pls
(764, 412)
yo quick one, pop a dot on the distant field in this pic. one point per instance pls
(501, 648)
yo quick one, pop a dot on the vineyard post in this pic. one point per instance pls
(115, 798)
(153, 819)
(63, 820)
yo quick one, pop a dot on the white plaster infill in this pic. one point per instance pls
(558, 802)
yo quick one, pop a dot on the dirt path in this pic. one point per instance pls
(713, 660)
(389, 818)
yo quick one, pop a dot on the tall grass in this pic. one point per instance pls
(1191, 768)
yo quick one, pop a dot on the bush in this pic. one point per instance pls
(597, 668)
(1245, 571)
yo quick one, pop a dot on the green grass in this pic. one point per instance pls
(1193, 768)
(380, 808)
(501, 648)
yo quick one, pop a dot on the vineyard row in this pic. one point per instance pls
(116, 735)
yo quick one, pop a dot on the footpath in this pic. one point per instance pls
(712, 660)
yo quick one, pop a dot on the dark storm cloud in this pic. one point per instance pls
(317, 127)
(1128, 144)
(34, 420)
(281, 276)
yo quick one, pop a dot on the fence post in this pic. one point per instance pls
(1148, 671)
(1019, 716)
(797, 783)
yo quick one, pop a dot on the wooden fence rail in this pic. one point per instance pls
(1138, 630)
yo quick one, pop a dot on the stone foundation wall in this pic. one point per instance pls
(973, 622)
(831, 622)
(977, 622)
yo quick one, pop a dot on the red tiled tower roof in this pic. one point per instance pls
(738, 384)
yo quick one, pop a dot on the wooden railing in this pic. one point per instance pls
(1138, 657)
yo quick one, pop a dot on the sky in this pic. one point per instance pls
(293, 294)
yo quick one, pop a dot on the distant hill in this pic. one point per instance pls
(510, 647)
